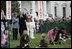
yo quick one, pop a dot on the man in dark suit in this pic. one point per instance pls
(22, 23)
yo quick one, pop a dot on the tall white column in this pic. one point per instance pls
(33, 12)
(59, 11)
(45, 16)
(33, 9)
(68, 11)
(52, 8)
(45, 11)
(40, 10)
(20, 5)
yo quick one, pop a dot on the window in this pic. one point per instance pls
(55, 11)
(64, 12)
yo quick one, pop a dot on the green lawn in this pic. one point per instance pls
(33, 43)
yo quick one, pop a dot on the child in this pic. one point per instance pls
(42, 27)
(2, 26)
(37, 27)
(43, 42)
(6, 28)
(61, 40)
(36, 24)
(24, 40)
(61, 35)
(64, 34)
(52, 35)
(3, 41)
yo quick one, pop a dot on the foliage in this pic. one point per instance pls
(14, 6)
(50, 25)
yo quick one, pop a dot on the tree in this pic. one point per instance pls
(3, 6)
(14, 6)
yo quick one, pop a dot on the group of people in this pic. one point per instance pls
(58, 19)
(25, 24)
(5, 30)
(54, 35)
(20, 22)
(4, 35)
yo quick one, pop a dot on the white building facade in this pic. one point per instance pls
(45, 8)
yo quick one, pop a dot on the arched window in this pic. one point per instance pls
(55, 8)
(64, 5)
(64, 12)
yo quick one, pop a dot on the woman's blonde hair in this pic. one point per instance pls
(2, 12)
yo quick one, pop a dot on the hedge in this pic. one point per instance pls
(50, 25)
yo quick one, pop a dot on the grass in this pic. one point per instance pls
(33, 43)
